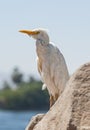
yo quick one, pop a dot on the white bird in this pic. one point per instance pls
(51, 64)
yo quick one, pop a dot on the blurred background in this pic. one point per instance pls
(68, 25)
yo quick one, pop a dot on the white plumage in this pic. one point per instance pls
(51, 64)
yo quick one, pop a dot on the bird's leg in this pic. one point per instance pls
(51, 100)
(56, 97)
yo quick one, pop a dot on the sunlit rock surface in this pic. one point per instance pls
(72, 110)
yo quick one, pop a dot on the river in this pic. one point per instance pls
(13, 120)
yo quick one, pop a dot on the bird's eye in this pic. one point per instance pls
(38, 32)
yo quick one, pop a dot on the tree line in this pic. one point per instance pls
(27, 95)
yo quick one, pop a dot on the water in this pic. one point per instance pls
(11, 120)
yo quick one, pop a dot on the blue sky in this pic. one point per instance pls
(68, 22)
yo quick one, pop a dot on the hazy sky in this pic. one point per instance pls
(68, 22)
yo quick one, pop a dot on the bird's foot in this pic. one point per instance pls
(53, 99)
(56, 96)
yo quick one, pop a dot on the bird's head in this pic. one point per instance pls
(38, 34)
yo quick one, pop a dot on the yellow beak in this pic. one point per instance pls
(29, 32)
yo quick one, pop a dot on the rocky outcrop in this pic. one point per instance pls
(72, 110)
(34, 121)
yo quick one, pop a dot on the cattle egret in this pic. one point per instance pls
(51, 64)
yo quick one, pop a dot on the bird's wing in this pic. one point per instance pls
(58, 68)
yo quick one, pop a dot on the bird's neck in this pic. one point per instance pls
(43, 42)
(41, 48)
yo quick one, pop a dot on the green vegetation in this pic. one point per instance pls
(26, 96)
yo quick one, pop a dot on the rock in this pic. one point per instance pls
(34, 121)
(72, 110)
